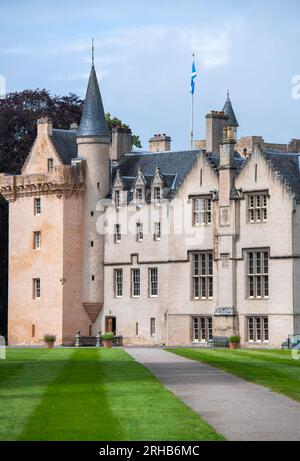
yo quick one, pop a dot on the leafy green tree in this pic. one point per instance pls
(19, 112)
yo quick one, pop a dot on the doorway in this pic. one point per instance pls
(110, 325)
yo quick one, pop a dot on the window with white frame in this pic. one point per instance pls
(153, 282)
(135, 283)
(118, 235)
(157, 195)
(201, 211)
(117, 195)
(139, 195)
(202, 275)
(152, 326)
(50, 164)
(157, 231)
(139, 232)
(258, 274)
(37, 206)
(257, 208)
(37, 240)
(36, 288)
(118, 282)
(258, 329)
(202, 329)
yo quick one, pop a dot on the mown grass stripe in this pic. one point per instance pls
(23, 381)
(99, 395)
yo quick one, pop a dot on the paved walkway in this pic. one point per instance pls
(235, 408)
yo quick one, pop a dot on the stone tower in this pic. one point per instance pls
(93, 139)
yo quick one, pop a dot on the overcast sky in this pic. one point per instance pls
(144, 58)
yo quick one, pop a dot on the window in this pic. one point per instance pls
(157, 195)
(92, 243)
(135, 283)
(93, 278)
(157, 231)
(118, 278)
(139, 232)
(37, 240)
(202, 329)
(153, 282)
(202, 276)
(37, 206)
(258, 329)
(139, 196)
(33, 331)
(201, 211)
(36, 288)
(92, 213)
(117, 198)
(118, 235)
(257, 274)
(136, 329)
(50, 164)
(257, 208)
(152, 326)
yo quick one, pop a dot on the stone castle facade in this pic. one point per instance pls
(161, 247)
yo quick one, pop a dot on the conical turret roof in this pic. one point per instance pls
(228, 110)
(93, 122)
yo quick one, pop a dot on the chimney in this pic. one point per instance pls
(44, 126)
(215, 123)
(227, 166)
(120, 143)
(160, 143)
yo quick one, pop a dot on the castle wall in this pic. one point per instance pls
(25, 264)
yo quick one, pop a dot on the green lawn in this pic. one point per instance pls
(89, 394)
(273, 368)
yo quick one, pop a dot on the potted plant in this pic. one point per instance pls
(234, 342)
(107, 339)
(49, 340)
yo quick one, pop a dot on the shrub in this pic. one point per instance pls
(107, 336)
(235, 339)
(49, 338)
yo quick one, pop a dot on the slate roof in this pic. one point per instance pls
(65, 144)
(228, 110)
(174, 167)
(287, 165)
(214, 160)
(93, 122)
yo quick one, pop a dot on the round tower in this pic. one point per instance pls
(93, 139)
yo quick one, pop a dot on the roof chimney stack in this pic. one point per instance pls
(160, 143)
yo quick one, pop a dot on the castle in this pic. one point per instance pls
(161, 247)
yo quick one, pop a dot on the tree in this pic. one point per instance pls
(19, 112)
(116, 122)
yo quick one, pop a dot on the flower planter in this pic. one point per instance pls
(234, 346)
(107, 343)
(50, 345)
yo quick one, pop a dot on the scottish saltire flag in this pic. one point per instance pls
(193, 78)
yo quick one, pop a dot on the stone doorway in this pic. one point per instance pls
(111, 325)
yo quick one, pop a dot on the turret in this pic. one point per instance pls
(231, 118)
(93, 139)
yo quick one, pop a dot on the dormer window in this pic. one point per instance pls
(117, 198)
(50, 164)
(139, 195)
(157, 195)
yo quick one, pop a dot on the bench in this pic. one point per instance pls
(219, 341)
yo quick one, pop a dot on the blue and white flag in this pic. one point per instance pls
(193, 78)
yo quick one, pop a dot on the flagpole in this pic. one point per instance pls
(192, 116)
(192, 123)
